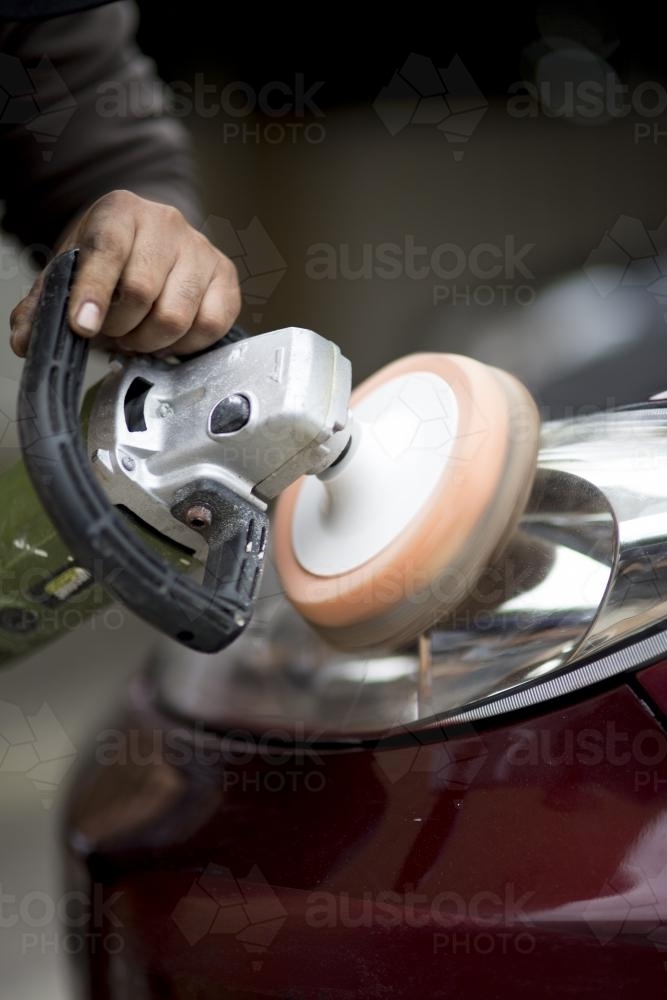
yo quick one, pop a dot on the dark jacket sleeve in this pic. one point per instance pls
(84, 113)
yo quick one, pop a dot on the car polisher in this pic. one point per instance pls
(396, 500)
(160, 498)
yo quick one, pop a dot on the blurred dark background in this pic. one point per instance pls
(352, 51)
(557, 177)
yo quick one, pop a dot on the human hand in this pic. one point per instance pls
(146, 280)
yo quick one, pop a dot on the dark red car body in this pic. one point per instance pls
(524, 858)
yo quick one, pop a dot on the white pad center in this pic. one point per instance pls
(402, 437)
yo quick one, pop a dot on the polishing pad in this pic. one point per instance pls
(393, 538)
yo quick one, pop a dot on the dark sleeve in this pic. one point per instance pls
(93, 120)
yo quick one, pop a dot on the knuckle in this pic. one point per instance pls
(229, 276)
(98, 239)
(116, 200)
(171, 214)
(196, 247)
(190, 291)
(19, 309)
(235, 301)
(229, 269)
(138, 289)
(230, 304)
(17, 317)
(210, 327)
(24, 309)
(173, 320)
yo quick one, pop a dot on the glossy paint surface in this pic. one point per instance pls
(520, 861)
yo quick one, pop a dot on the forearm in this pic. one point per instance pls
(103, 139)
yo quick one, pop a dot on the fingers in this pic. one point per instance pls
(141, 283)
(218, 311)
(174, 311)
(146, 281)
(105, 237)
(198, 305)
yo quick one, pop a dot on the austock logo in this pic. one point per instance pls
(422, 415)
(9, 390)
(259, 263)
(421, 94)
(454, 758)
(631, 905)
(36, 98)
(36, 746)
(629, 255)
(248, 910)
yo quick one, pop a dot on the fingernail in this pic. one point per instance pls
(88, 317)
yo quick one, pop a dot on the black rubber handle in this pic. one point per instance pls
(206, 617)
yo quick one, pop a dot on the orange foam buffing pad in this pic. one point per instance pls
(394, 537)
